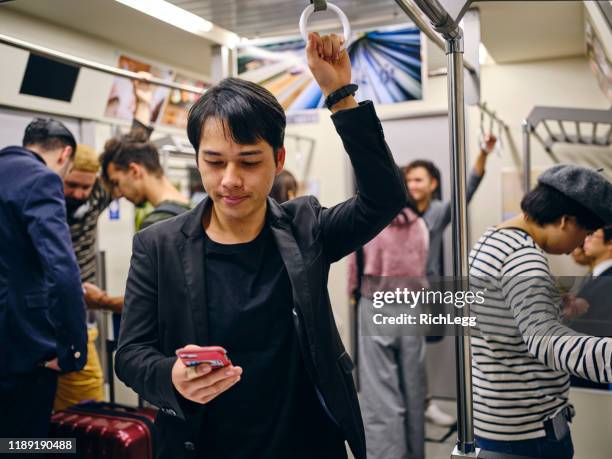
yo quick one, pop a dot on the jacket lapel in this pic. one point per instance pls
(296, 269)
(192, 250)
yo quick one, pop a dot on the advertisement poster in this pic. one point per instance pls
(121, 100)
(387, 66)
(177, 108)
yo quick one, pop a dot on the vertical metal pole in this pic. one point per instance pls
(526, 156)
(465, 428)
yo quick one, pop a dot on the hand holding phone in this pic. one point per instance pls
(215, 356)
(201, 374)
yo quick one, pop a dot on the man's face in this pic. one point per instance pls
(421, 185)
(127, 183)
(77, 188)
(238, 178)
(595, 246)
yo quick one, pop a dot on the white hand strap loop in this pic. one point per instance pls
(345, 22)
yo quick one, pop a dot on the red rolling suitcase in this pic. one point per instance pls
(107, 430)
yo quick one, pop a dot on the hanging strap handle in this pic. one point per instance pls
(346, 26)
(319, 5)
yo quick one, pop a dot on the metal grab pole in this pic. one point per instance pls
(526, 156)
(466, 446)
(415, 16)
(452, 33)
(80, 62)
(492, 115)
(440, 19)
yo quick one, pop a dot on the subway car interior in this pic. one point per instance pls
(306, 229)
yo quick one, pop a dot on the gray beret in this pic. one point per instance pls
(585, 186)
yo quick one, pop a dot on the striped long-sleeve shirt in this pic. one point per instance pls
(83, 230)
(522, 354)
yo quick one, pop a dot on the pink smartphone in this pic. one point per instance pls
(215, 356)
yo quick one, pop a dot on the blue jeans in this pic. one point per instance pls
(541, 448)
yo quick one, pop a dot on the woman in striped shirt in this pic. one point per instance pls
(522, 354)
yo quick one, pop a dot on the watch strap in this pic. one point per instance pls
(339, 94)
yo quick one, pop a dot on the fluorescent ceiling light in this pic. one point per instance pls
(171, 14)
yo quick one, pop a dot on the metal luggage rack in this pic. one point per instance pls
(591, 128)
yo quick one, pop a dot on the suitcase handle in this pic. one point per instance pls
(92, 404)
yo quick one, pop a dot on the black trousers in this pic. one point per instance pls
(26, 404)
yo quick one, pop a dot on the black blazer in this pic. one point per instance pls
(598, 293)
(42, 313)
(165, 300)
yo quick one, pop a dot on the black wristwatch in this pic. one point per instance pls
(339, 94)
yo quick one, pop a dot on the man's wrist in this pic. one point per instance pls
(98, 302)
(341, 98)
(112, 303)
(344, 104)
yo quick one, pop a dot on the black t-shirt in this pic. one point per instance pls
(274, 411)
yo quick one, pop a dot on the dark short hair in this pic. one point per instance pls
(607, 230)
(545, 205)
(49, 134)
(127, 149)
(250, 112)
(283, 184)
(431, 169)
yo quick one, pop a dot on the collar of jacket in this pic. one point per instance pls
(22, 151)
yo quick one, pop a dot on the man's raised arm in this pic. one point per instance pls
(381, 191)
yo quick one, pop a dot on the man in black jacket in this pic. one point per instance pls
(245, 273)
(42, 314)
(597, 289)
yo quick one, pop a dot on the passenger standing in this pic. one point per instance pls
(42, 313)
(597, 289)
(392, 366)
(423, 179)
(248, 274)
(86, 198)
(131, 167)
(522, 354)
